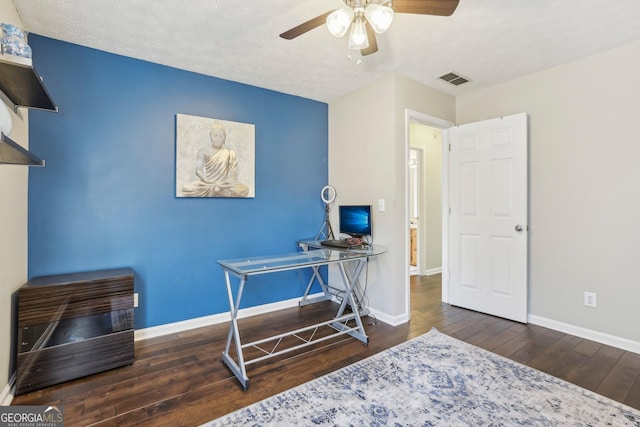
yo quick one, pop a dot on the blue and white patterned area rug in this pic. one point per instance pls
(435, 380)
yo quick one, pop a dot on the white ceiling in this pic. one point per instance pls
(488, 41)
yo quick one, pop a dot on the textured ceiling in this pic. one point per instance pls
(488, 41)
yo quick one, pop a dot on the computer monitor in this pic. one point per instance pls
(355, 220)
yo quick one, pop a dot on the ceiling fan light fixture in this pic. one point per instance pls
(358, 36)
(380, 17)
(338, 21)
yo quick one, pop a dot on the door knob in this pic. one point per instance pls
(519, 227)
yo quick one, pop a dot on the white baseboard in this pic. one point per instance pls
(185, 325)
(602, 338)
(170, 328)
(390, 320)
(433, 271)
(6, 396)
(156, 331)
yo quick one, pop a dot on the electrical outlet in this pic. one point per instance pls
(590, 299)
(381, 205)
(135, 299)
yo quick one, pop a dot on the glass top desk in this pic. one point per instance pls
(243, 268)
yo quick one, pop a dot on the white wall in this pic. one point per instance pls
(361, 168)
(368, 156)
(584, 186)
(584, 191)
(13, 225)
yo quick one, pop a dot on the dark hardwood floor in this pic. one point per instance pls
(179, 379)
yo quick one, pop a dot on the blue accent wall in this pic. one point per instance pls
(106, 197)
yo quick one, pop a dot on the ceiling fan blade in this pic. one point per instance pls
(305, 26)
(425, 7)
(373, 44)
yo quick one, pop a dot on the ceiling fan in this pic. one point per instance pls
(365, 18)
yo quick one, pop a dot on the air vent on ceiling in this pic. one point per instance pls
(454, 78)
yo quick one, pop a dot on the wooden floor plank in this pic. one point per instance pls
(537, 341)
(633, 396)
(593, 371)
(179, 379)
(555, 353)
(618, 383)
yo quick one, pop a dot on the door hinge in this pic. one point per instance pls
(449, 147)
(449, 210)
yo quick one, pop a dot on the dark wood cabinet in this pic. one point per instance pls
(73, 325)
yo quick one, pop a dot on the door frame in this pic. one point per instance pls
(415, 116)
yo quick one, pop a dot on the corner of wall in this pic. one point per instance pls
(6, 395)
(13, 225)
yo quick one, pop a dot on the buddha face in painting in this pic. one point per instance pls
(218, 135)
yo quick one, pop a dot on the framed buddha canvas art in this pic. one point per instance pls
(214, 158)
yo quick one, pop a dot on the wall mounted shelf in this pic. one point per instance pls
(12, 153)
(22, 87)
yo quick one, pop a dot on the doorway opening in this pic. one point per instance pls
(425, 199)
(426, 170)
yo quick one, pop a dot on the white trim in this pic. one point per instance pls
(7, 392)
(589, 334)
(444, 269)
(408, 114)
(433, 271)
(156, 331)
(185, 325)
(390, 320)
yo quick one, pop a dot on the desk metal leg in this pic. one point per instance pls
(325, 289)
(316, 276)
(339, 322)
(349, 284)
(238, 369)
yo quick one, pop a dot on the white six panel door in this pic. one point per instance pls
(488, 183)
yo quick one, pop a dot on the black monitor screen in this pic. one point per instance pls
(355, 220)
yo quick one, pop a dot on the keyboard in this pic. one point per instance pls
(336, 244)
